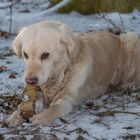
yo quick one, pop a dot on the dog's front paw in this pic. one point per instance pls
(14, 120)
(44, 118)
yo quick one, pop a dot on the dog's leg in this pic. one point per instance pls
(63, 102)
(14, 120)
(60, 106)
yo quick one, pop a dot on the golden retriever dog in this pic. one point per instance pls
(84, 64)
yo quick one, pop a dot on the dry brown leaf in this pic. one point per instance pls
(13, 75)
(3, 68)
(4, 34)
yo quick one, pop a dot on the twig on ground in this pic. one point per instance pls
(112, 113)
(11, 12)
(122, 22)
(113, 24)
(77, 130)
(119, 30)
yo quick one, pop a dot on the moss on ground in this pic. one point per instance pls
(98, 6)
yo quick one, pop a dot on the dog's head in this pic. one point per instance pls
(47, 49)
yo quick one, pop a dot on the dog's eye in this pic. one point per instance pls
(25, 55)
(45, 56)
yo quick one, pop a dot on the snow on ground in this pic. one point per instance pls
(114, 117)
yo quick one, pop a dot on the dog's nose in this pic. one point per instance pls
(31, 80)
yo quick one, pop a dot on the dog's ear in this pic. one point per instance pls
(17, 47)
(68, 39)
(17, 44)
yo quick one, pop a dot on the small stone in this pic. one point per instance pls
(6, 104)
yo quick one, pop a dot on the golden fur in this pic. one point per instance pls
(84, 64)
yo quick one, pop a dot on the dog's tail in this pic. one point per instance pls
(129, 39)
(131, 45)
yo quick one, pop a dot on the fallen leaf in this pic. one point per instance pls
(3, 68)
(25, 11)
(4, 34)
(13, 75)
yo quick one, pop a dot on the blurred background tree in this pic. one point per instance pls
(98, 6)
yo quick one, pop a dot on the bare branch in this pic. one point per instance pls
(11, 12)
(122, 22)
(56, 7)
(112, 23)
(111, 113)
(116, 28)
